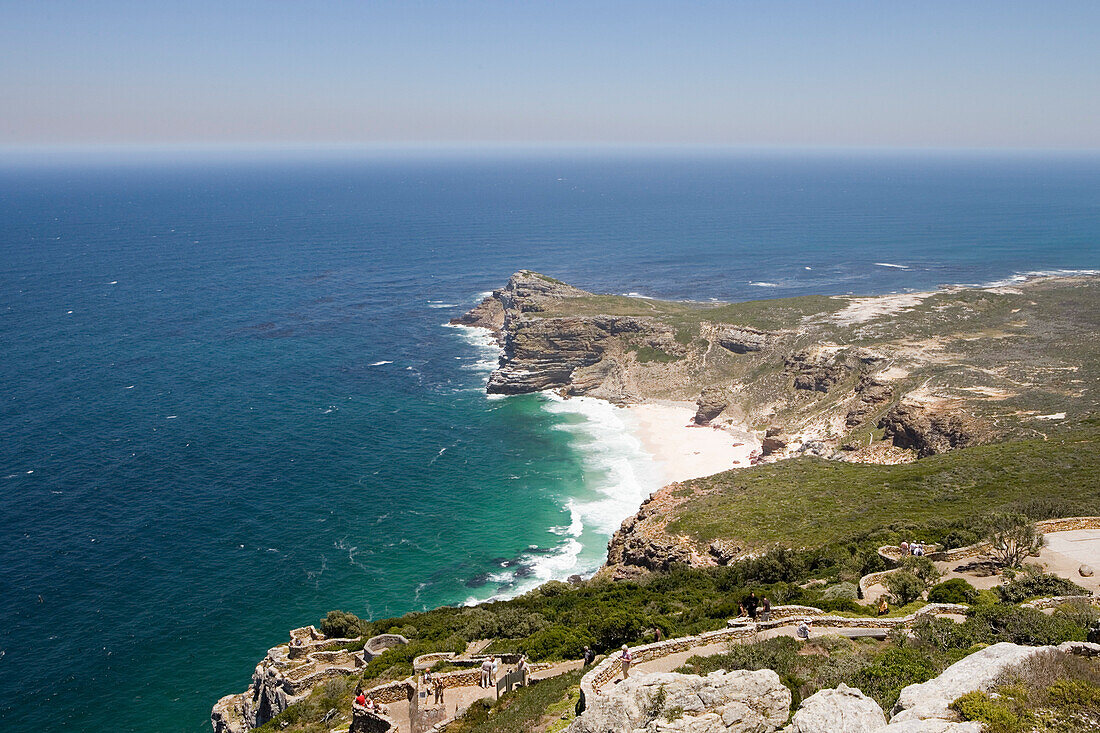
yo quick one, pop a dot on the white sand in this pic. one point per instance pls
(683, 451)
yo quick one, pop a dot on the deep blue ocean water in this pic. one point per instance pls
(229, 403)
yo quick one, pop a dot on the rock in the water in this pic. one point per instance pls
(843, 709)
(722, 702)
(930, 700)
(1086, 571)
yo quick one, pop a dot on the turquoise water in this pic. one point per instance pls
(230, 403)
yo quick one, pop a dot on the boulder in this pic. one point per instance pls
(722, 702)
(1086, 571)
(710, 405)
(930, 700)
(932, 726)
(843, 709)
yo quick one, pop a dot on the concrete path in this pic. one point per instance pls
(1065, 552)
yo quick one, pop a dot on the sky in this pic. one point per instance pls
(999, 74)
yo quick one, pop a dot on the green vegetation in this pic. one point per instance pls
(915, 576)
(525, 708)
(763, 314)
(955, 590)
(811, 501)
(1012, 537)
(647, 354)
(1033, 583)
(882, 669)
(1052, 692)
(328, 704)
(341, 625)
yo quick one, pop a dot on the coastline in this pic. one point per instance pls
(682, 450)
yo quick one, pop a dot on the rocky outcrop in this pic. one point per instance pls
(722, 702)
(641, 544)
(931, 700)
(742, 339)
(842, 709)
(711, 403)
(931, 427)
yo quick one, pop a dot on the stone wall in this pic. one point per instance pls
(1042, 604)
(610, 668)
(894, 554)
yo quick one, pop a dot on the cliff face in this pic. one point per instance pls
(869, 380)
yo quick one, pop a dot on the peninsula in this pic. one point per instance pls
(860, 422)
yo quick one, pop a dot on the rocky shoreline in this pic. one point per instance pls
(864, 380)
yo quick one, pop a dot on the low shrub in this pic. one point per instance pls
(955, 590)
(341, 625)
(1033, 583)
(995, 715)
(840, 591)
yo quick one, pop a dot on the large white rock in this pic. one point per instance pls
(842, 709)
(934, 725)
(929, 700)
(722, 702)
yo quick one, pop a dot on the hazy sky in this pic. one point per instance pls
(920, 73)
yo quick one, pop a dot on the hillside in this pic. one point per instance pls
(926, 372)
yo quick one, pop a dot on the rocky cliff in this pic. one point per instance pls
(883, 379)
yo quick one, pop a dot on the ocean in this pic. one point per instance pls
(230, 400)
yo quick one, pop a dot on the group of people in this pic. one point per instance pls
(433, 684)
(489, 669)
(758, 609)
(916, 549)
(365, 701)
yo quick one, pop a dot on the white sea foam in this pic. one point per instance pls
(633, 294)
(440, 304)
(483, 340)
(1020, 277)
(764, 284)
(619, 473)
(890, 264)
(380, 363)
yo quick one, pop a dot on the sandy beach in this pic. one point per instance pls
(683, 451)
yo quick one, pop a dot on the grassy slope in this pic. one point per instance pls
(810, 501)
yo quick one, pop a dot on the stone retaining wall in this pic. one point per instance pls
(1041, 604)
(894, 554)
(611, 667)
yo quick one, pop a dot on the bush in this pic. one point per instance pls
(990, 624)
(904, 587)
(556, 642)
(896, 668)
(1013, 538)
(995, 714)
(955, 590)
(1033, 583)
(960, 538)
(341, 625)
(840, 591)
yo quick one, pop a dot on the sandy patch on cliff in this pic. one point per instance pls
(860, 310)
(683, 451)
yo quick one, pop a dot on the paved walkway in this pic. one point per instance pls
(1063, 554)
(457, 699)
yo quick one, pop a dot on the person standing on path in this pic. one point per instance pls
(486, 672)
(751, 604)
(625, 660)
(589, 656)
(766, 612)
